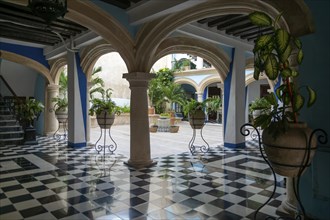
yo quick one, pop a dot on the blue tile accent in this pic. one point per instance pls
(230, 145)
(76, 145)
(83, 90)
(227, 85)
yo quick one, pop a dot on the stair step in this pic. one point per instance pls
(10, 128)
(12, 140)
(11, 132)
(6, 116)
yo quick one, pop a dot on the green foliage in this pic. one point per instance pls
(213, 104)
(29, 110)
(96, 81)
(179, 65)
(163, 90)
(192, 105)
(274, 54)
(125, 109)
(61, 104)
(104, 103)
(63, 83)
(165, 115)
(260, 104)
(173, 93)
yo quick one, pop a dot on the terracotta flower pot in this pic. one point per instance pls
(153, 129)
(286, 153)
(174, 129)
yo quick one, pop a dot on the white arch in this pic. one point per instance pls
(216, 56)
(26, 61)
(186, 81)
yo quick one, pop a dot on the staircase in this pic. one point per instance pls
(11, 133)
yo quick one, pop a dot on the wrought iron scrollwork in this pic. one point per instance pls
(322, 138)
(111, 147)
(61, 136)
(204, 148)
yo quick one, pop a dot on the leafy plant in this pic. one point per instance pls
(96, 81)
(179, 65)
(61, 104)
(213, 104)
(275, 54)
(260, 104)
(125, 109)
(63, 83)
(191, 106)
(164, 77)
(104, 103)
(173, 93)
(164, 115)
(29, 110)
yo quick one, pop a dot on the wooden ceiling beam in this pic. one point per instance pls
(222, 20)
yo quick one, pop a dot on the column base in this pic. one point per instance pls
(140, 164)
(288, 209)
(290, 203)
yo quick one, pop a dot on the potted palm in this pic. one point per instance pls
(61, 108)
(259, 105)
(27, 112)
(213, 106)
(104, 109)
(195, 112)
(284, 137)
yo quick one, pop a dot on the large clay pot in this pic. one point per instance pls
(105, 120)
(197, 120)
(286, 153)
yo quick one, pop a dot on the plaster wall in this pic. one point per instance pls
(22, 79)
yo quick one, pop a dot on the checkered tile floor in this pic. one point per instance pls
(52, 181)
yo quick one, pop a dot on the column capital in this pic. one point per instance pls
(138, 79)
(138, 76)
(52, 87)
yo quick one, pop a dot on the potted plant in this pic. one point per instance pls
(60, 108)
(104, 109)
(27, 112)
(285, 139)
(154, 127)
(213, 106)
(259, 105)
(195, 112)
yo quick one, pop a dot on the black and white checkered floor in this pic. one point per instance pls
(51, 181)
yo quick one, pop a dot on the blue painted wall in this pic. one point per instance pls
(26, 51)
(39, 94)
(315, 185)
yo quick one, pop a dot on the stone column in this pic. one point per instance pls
(290, 204)
(234, 101)
(199, 96)
(77, 106)
(51, 122)
(139, 123)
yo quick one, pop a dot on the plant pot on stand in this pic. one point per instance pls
(105, 120)
(288, 154)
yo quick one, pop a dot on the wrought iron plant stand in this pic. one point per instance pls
(322, 138)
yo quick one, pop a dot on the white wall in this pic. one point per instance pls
(113, 67)
(253, 92)
(22, 79)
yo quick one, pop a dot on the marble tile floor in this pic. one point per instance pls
(52, 181)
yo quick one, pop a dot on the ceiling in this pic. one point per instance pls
(17, 22)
